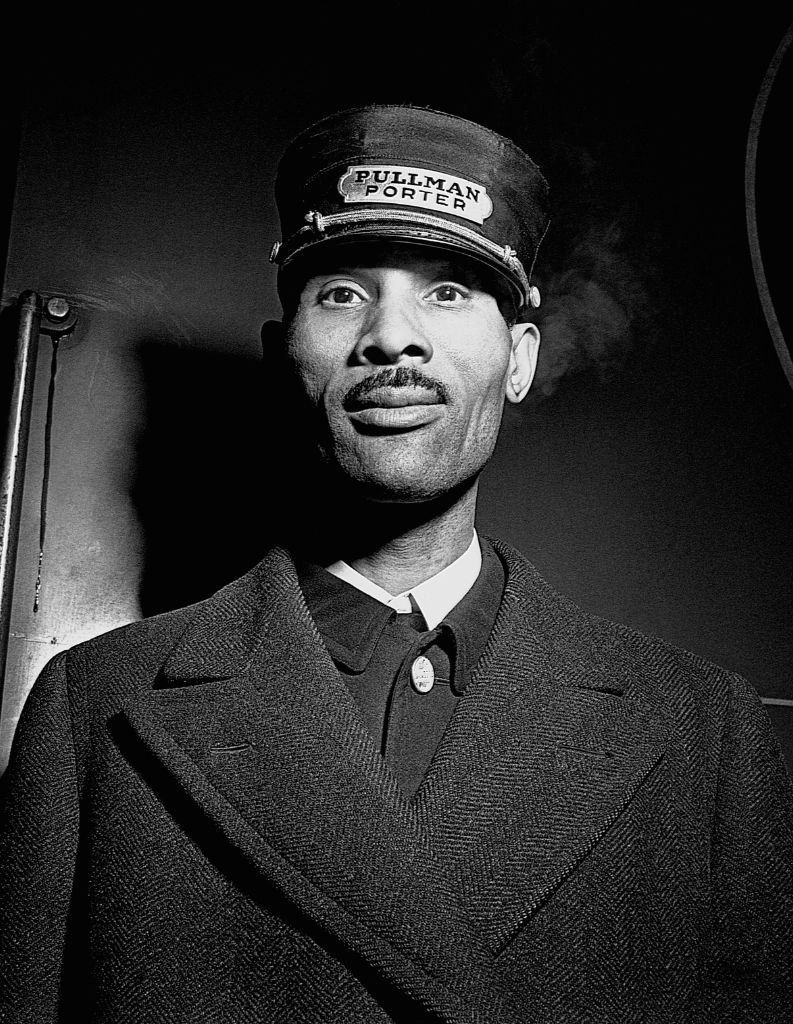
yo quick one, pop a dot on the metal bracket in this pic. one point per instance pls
(58, 316)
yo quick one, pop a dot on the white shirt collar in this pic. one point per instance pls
(434, 597)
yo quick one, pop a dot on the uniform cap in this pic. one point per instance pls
(417, 175)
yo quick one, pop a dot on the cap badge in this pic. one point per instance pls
(417, 187)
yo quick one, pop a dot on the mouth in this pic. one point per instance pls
(392, 398)
(386, 409)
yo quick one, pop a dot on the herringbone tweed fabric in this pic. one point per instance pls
(197, 827)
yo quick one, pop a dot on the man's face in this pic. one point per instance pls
(404, 356)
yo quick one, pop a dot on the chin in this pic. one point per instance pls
(389, 495)
(410, 483)
(397, 488)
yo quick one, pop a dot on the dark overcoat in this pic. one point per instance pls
(198, 827)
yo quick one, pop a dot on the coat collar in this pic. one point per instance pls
(232, 627)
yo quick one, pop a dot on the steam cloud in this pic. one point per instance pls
(592, 309)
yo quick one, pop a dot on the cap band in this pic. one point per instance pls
(323, 226)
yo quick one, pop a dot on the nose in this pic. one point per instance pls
(391, 336)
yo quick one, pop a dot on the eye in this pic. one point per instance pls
(341, 295)
(448, 294)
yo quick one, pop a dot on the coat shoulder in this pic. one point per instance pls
(601, 648)
(129, 658)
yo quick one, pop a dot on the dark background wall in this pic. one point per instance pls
(649, 476)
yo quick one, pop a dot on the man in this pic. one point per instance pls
(390, 774)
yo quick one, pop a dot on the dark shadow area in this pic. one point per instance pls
(206, 490)
(12, 92)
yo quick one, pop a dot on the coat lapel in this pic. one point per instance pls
(545, 750)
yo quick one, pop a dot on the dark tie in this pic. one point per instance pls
(414, 618)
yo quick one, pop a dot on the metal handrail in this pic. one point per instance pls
(14, 457)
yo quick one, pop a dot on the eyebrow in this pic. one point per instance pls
(455, 271)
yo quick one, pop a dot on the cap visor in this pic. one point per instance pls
(408, 234)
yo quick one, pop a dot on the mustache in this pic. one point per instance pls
(395, 377)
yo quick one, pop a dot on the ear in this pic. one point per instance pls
(522, 360)
(272, 335)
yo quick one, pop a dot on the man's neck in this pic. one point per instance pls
(399, 546)
(422, 550)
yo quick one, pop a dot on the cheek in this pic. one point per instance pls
(484, 375)
(310, 357)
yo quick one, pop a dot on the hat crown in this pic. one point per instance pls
(413, 173)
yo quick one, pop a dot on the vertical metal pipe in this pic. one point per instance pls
(14, 457)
